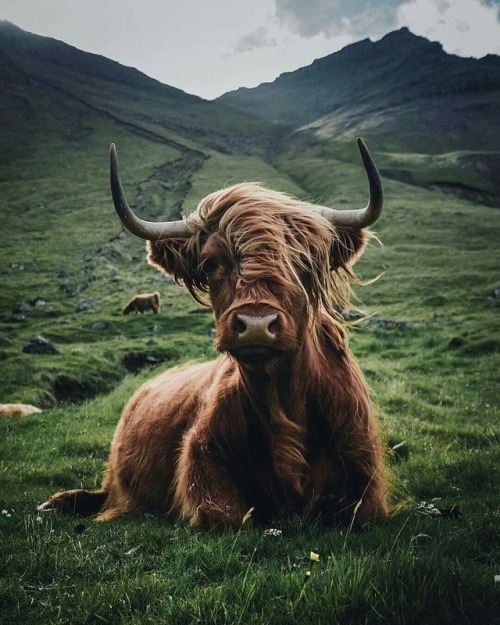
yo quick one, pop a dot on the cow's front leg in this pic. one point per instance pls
(366, 499)
(206, 493)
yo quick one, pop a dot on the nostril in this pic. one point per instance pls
(273, 327)
(239, 325)
(256, 328)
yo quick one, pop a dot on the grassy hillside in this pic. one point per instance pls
(59, 111)
(429, 352)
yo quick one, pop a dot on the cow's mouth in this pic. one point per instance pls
(254, 355)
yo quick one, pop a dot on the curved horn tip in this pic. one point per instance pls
(363, 148)
(151, 231)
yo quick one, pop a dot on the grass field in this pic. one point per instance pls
(430, 354)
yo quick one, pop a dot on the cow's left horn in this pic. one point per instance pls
(362, 217)
(150, 230)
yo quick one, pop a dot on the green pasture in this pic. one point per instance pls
(429, 353)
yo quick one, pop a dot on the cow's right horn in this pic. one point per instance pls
(361, 217)
(150, 230)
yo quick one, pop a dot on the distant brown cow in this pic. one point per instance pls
(18, 410)
(281, 421)
(143, 302)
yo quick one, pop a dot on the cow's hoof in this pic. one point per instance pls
(47, 506)
(79, 502)
(65, 502)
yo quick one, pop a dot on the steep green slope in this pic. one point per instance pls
(63, 250)
(125, 95)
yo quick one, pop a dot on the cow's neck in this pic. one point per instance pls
(285, 387)
(279, 402)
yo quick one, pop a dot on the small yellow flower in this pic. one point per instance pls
(314, 557)
(308, 573)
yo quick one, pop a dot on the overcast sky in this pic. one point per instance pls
(208, 47)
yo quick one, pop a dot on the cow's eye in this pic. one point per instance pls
(209, 265)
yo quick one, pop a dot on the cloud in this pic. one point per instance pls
(258, 38)
(335, 17)
(374, 18)
(464, 27)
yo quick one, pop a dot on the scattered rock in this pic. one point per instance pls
(68, 291)
(100, 325)
(87, 303)
(23, 307)
(71, 292)
(156, 329)
(19, 312)
(386, 323)
(496, 292)
(136, 361)
(40, 345)
(81, 287)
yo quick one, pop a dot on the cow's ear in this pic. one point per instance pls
(347, 247)
(172, 256)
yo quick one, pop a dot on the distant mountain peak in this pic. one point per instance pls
(368, 83)
(6, 24)
(404, 37)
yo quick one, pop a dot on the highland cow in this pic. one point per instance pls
(18, 410)
(281, 421)
(143, 302)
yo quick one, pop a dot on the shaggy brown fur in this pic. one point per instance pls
(281, 423)
(18, 410)
(143, 302)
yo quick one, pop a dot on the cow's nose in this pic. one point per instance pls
(252, 328)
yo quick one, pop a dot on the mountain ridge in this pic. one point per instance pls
(67, 55)
(403, 93)
(399, 69)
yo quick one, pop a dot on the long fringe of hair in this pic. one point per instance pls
(285, 240)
